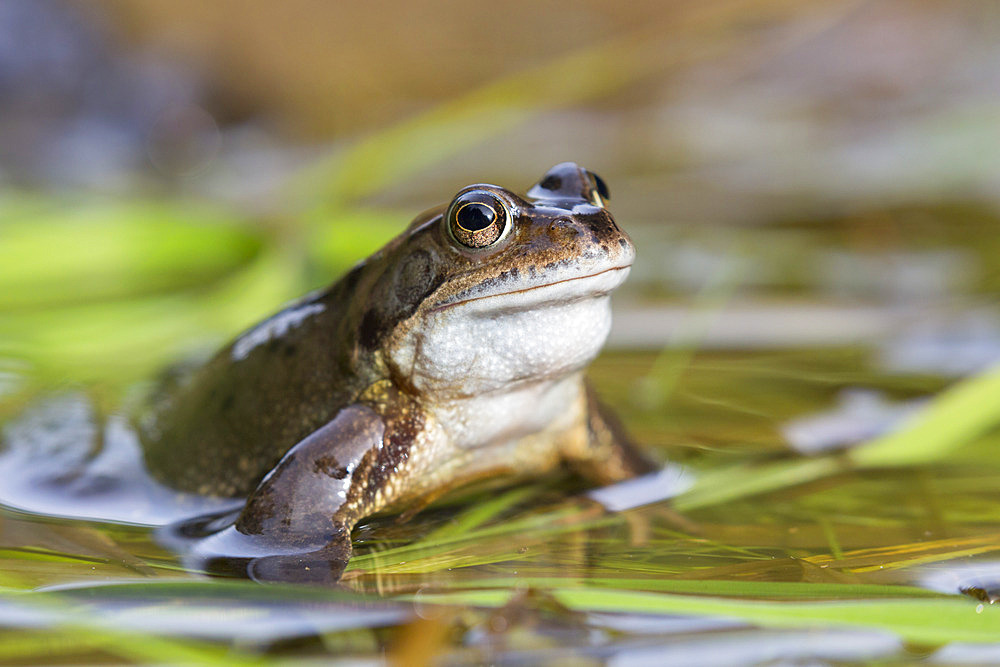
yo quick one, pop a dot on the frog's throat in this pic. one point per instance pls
(624, 269)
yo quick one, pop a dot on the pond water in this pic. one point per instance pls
(762, 540)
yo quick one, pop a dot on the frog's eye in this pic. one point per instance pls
(478, 219)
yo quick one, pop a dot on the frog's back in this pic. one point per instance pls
(229, 423)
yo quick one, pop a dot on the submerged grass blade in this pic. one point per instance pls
(80, 621)
(75, 632)
(716, 587)
(545, 525)
(899, 556)
(478, 514)
(927, 621)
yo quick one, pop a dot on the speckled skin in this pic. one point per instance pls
(427, 367)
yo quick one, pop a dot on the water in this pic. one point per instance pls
(936, 529)
(755, 379)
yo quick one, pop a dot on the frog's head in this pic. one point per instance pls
(497, 290)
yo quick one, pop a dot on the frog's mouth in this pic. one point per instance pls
(565, 290)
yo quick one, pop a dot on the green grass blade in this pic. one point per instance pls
(728, 484)
(355, 234)
(726, 588)
(478, 514)
(95, 250)
(956, 417)
(399, 151)
(927, 621)
(128, 339)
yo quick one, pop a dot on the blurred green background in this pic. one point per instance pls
(171, 172)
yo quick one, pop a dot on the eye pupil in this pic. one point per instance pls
(475, 217)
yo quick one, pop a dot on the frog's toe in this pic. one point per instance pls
(181, 533)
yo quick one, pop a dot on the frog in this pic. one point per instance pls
(453, 356)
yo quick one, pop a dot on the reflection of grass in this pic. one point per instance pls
(927, 621)
(78, 638)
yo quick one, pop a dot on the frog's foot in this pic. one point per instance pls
(225, 551)
(607, 455)
(296, 525)
(181, 533)
(323, 566)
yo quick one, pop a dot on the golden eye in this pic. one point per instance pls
(477, 219)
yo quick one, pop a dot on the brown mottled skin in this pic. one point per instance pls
(330, 410)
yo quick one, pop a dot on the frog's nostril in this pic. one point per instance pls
(564, 230)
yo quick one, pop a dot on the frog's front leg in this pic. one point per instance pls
(296, 525)
(604, 453)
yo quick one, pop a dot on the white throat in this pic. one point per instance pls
(495, 345)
